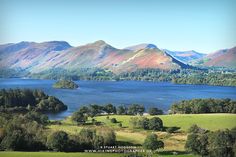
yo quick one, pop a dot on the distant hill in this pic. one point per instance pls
(27, 55)
(221, 58)
(38, 57)
(185, 56)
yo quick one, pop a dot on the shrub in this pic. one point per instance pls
(113, 120)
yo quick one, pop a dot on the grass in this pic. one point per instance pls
(61, 154)
(184, 121)
(55, 154)
(173, 142)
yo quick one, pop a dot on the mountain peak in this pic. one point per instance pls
(141, 46)
(57, 45)
(100, 42)
(151, 46)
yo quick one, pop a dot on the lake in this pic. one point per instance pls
(150, 94)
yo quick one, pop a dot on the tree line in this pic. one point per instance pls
(92, 110)
(211, 143)
(27, 99)
(195, 106)
(220, 77)
(27, 132)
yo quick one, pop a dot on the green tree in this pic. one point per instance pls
(195, 129)
(108, 135)
(79, 118)
(58, 141)
(221, 144)
(155, 123)
(152, 143)
(121, 110)
(86, 137)
(38, 117)
(136, 109)
(155, 111)
(109, 108)
(14, 140)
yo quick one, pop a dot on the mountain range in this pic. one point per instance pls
(37, 57)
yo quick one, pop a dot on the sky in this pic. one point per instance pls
(201, 25)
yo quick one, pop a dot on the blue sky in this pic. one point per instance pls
(201, 25)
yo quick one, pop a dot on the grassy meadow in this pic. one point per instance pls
(174, 142)
(184, 121)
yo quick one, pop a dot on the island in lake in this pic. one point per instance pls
(65, 84)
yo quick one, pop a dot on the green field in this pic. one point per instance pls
(173, 142)
(61, 154)
(184, 121)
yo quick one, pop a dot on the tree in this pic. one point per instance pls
(197, 141)
(221, 144)
(155, 111)
(108, 135)
(21, 133)
(79, 118)
(192, 144)
(14, 140)
(143, 123)
(38, 117)
(85, 110)
(58, 141)
(109, 108)
(95, 110)
(121, 110)
(87, 137)
(195, 129)
(135, 109)
(98, 142)
(152, 143)
(155, 123)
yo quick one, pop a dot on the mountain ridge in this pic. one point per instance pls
(37, 57)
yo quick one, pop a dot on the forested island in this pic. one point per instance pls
(65, 84)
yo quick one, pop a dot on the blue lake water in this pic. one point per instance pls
(150, 94)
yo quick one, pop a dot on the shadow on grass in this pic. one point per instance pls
(125, 143)
(173, 153)
(173, 129)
